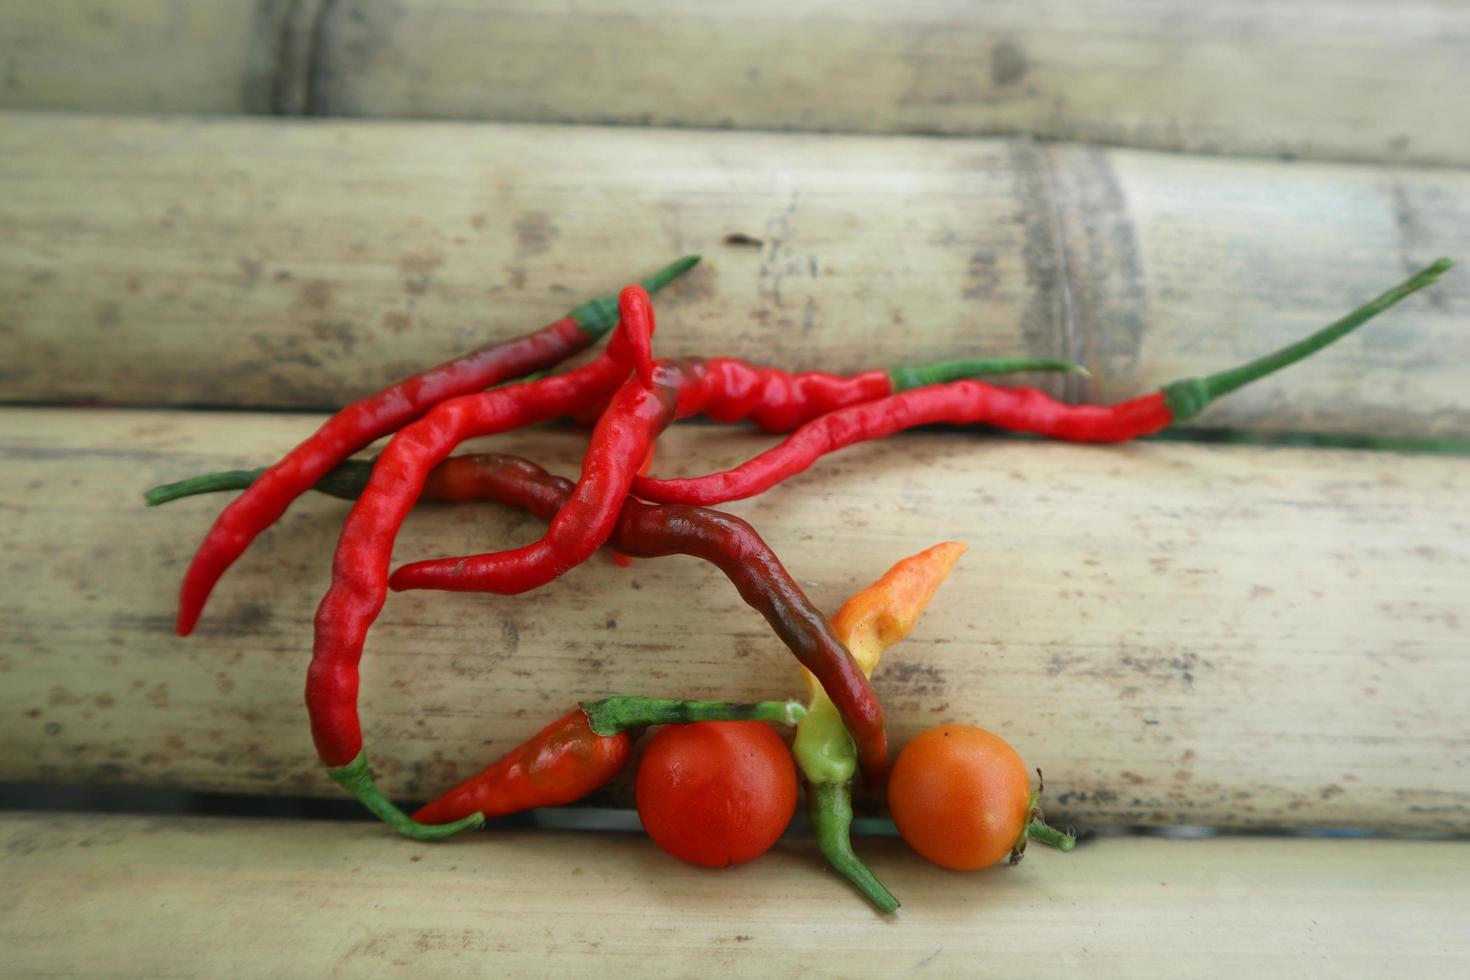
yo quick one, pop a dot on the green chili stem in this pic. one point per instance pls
(612, 715)
(908, 376)
(357, 778)
(1039, 829)
(345, 480)
(831, 811)
(600, 315)
(206, 483)
(1188, 397)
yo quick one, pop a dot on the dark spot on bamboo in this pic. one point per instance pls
(316, 294)
(1008, 64)
(535, 232)
(741, 239)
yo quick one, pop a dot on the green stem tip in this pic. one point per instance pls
(612, 715)
(207, 483)
(600, 315)
(907, 376)
(1188, 397)
(357, 778)
(345, 480)
(830, 805)
(1039, 829)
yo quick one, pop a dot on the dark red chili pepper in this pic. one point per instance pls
(364, 421)
(1017, 409)
(648, 531)
(578, 753)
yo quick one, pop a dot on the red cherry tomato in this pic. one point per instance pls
(960, 796)
(716, 793)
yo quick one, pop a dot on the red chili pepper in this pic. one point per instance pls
(577, 754)
(360, 567)
(1017, 409)
(364, 421)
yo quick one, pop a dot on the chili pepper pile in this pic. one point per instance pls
(630, 398)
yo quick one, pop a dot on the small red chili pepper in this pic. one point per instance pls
(364, 421)
(1017, 409)
(578, 753)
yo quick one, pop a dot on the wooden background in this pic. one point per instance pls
(1326, 79)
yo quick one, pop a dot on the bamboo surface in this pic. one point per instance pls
(1332, 79)
(1174, 633)
(226, 56)
(276, 264)
(137, 896)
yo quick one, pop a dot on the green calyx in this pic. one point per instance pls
(824, 751)
(612, 715)
(346, 480)
(907, 376)
(357, 779)
(600, 315)
(1188, 397)
(1038, 829)
(830, 805)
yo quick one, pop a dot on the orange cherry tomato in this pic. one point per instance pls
(960, 796)
(716, 793)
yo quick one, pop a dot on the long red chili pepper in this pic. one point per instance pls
(638, 413)
(649, 531)
(366, 420)
(1017, 409)
(577, 754)
(360, 567)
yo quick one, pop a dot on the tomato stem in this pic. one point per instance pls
(831, 812)
(1039, 829)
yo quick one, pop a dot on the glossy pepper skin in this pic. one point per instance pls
(360, 566)
(368, 419)
(868, 623)
(967, 402)
(579, 753)
(563, 763)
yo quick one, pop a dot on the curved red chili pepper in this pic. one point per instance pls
(364, 421)
(1015, 409)
(360, 567)
(639, 412)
